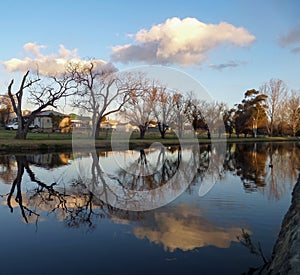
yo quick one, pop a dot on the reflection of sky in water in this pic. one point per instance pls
(189, 235)
(185, 228)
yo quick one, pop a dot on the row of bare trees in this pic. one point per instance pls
(95, 89)
(283, 108)
(98, 91)
(272, 110)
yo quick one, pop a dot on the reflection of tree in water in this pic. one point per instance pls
(209, 166)
(251, 164)
(284, 166)
(264, 166)
(22, 165)
(143, 174)
(76, 205)
(153, 179)
(49, 161)
(8, 169)
(8, 164)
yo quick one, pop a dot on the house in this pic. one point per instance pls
(80, 122)
(43, 122)
(47, 120)
(50, 120)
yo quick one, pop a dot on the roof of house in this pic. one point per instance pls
(50, 113)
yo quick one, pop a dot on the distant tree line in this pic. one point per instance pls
(98, 92)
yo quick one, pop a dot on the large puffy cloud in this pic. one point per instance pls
(184, 42)
(52, 64)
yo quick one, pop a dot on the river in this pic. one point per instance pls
(158, 210)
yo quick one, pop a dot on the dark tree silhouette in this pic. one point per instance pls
(42, 95)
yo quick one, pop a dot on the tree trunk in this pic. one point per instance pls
(255, 132)
(254, 128)
(271, 127)
(162, 129)
(208, 134)
(180, 128)
(97, 132)
(22, 132)
(142, 131)
(180, 133)
(96, 128)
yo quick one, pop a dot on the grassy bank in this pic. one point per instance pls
(59, 141)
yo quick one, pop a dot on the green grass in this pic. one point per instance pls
(9, 135)
(63, 141)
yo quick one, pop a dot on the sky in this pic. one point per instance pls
(227, 46)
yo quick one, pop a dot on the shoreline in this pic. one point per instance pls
(51, 145)
(286, 251)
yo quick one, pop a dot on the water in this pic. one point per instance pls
(54, 218)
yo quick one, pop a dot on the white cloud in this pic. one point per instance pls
(33, 48)
(185, 42)
(52, 64)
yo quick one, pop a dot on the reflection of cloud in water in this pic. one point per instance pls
(185, 228)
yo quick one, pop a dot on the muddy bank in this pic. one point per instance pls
(286, 252)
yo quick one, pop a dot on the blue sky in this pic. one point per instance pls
(270, 48)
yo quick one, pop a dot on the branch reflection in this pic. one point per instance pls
(262, 167)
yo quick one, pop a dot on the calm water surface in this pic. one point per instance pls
(52, 221)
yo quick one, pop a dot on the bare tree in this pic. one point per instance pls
(213, 113)
(276, 91)
(194, 113)
(40, 94)
(139, 110)
(164, 109)
(293, 112)
(101, 90)
(180, 117)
